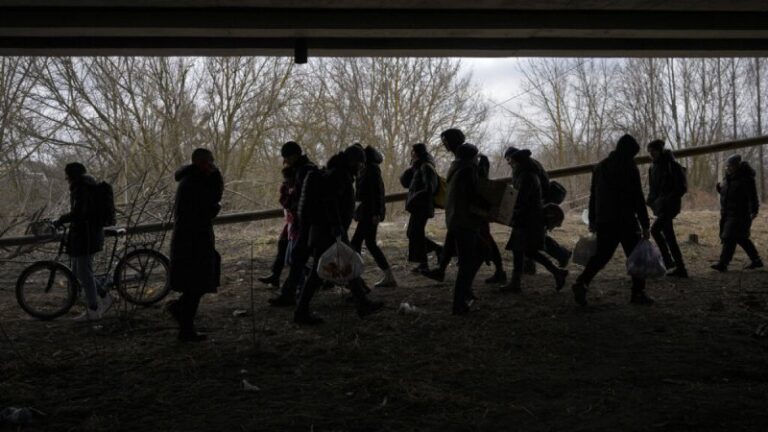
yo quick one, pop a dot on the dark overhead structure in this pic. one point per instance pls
(480, 28)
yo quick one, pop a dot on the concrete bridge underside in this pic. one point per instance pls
(483, 28)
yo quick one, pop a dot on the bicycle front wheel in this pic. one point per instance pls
(142, 278)
(46, 290)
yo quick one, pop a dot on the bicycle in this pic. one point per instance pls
(48, 289)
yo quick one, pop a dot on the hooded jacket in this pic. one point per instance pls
(616, 196)
(369, 188)
(328, 202)
(738, 202)
(463, 177)
(422, 183)
(527, 219)
(665, 189)
(85, 235)
(195, 264)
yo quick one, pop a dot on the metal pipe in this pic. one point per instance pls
(277, 213)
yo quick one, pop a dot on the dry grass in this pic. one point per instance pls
(533, 361)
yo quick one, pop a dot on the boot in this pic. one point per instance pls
(679, 272)
(304, 317)
(579, 293)
(639, 298)
(514, 284)
(722, 268)
(191, 336)
(435, 274)
(498, 278)
(172, 308)
(388, 281)
(529, 267)
(755, 264)
(282, 301)
(368, 307)
(273, 280)
(461, 308)
(566, 259)
(560, 276)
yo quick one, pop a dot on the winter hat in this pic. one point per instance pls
(291, 148)
(734, 159)
(510, 151)
(627, 146)
(355, 153)
(74, 170)
(453, 138)
(521, 155)
(657, 145)
(420, 149)
(466, 151)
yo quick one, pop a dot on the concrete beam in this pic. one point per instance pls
(610, 28)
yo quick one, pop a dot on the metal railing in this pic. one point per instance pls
(240, 217)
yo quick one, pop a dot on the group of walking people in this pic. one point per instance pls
(320, 203)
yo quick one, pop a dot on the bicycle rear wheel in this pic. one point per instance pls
(141, 277)
(46, 290)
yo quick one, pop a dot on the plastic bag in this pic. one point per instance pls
(340, 264)
(645, 261)
(585, 248)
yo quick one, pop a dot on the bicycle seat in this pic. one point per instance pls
(114, 231)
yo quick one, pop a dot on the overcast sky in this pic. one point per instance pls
(499, 79)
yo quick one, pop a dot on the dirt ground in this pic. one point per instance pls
(533, 361)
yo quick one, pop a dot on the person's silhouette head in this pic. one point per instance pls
(74, 171)
(203, 159)
(452, 139)
(291, 152)
(655, 148)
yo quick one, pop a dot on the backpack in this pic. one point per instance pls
(441, 193)
(483, 165)
(679, 176)
(555, 193)
(103, 210)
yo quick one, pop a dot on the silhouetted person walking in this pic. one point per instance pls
(666, 187)
(528, 221)
(329, 197)
(616, 214)
(195, 263)
(551, 246)
(85, 237)
(452, 139)
(422, 184)
(465, 226)
(369, 192)
(282, 242)
(739, 206)
(294, 158)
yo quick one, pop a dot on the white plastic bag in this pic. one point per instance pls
(585, 248)
(340, 264)
(645, 261)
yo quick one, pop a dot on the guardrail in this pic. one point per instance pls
(240, 217)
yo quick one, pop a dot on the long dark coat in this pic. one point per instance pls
(738, 202)
(665, 190)
(528, 229)
(462, 196)
(369, 188)
(328, 200)
(616, 197)
(195, 263)
(85, 235)
(422, 183)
